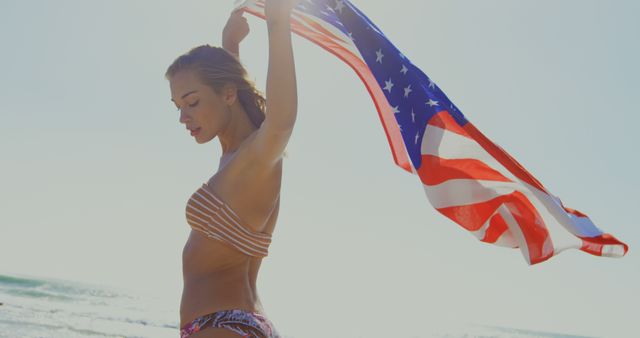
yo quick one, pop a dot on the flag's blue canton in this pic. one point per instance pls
(413, 96)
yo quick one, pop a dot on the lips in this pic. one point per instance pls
(194, 131)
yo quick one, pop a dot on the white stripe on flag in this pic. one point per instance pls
(449, 145)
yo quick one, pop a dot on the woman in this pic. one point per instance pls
(233, 214)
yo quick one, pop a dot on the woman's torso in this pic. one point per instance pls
(217, 276)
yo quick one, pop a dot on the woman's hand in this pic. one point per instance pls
(235, 31)
(277, 11)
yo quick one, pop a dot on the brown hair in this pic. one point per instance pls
(217, 67)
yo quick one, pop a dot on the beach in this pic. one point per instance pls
(36, 307)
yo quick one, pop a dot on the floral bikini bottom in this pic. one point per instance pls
(245, 323)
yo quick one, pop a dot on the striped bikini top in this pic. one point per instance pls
(208, 214)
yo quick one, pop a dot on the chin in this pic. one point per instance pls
(203, 140)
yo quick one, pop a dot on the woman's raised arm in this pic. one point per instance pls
(281, 92)
(234, 32)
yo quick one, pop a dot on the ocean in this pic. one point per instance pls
(43, 308)
(39, 307)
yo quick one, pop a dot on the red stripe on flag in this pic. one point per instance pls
(593, 245)
(319, 27)
(473, 216)
(496, 228)
(444, 120)
(532, 226)
(573, 211)
(503, 157)
(435, 170)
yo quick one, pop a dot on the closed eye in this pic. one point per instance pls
(191, 105)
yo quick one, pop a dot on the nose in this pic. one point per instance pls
(184, 118)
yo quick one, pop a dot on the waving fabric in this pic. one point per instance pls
(466, 176)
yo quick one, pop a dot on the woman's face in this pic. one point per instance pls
(202, 110)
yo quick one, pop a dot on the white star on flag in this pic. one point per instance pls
(379, 55)
(339, 6)
(432, 103)
(388, 85)
(395, 109)
(404, 70)
(407, 91)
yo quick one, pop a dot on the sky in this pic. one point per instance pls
(96, 169)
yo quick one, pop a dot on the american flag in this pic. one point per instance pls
(466, 177)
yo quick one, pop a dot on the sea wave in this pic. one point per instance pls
(39, 307)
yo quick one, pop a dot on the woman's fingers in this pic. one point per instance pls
(236, 29)
(238, 12)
